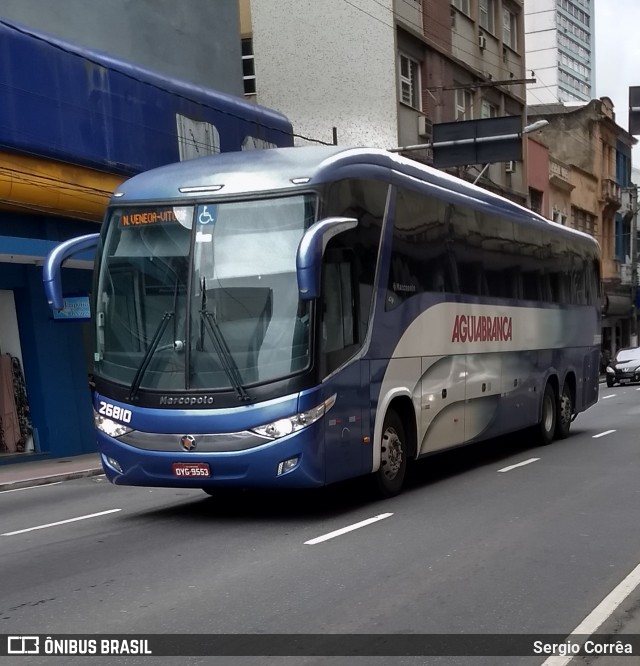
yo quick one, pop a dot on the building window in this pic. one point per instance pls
(560, 217)
(464, 104)
(488, 110)
(486, 18)
(248, 67)
(583, 221)
(535, 197)
(462, 5)
(509, 28)
(409, 82)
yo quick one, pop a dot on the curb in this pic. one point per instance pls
(52, 478)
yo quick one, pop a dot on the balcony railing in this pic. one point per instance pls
(559, 176)
(611, 192)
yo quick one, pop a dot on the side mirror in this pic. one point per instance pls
(311, 250)
(53, 263)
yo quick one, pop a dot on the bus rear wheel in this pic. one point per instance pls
(393, 456)
(565, 413)
(547, 425)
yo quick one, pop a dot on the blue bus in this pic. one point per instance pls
(294, 317)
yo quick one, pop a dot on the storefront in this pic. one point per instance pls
(45, 406)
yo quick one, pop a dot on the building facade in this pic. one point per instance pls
(482, 75)
(538, 168)
(327, 65)
(560, 54)
(589, 168)
(381, 74)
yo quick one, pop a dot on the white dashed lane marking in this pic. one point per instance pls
(61, 522)
(521, 464)
(349, 528)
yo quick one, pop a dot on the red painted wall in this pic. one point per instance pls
(538, 171)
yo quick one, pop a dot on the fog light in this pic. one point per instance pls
(287, 465)
(113, 463)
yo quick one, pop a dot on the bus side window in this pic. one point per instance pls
(419, 260)
(545, 288)
(592, 271)
(532, 286)
(339, 334)
(470, 274)
(578, 290)
(365, 200)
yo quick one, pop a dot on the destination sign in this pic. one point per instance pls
(143, 217)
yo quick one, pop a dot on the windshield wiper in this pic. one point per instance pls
(146, 359)
(208, 322)
(224, 353)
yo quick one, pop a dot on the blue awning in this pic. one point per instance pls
(17, 250)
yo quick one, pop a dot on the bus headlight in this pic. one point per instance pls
(109, 426)
(283, 427)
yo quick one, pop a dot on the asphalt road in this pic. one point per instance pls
(466, 549)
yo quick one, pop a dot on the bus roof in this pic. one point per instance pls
(288, 169)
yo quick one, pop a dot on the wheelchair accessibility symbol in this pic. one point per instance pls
(205, 216)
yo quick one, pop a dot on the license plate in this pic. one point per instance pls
(190, 470)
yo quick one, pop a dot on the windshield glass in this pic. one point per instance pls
(245, 284)
(628, 355)
(237, 322)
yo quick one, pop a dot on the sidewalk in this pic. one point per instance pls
(39, 472)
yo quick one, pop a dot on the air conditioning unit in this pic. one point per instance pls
(425, 127)
(510, 167)
(482, 41)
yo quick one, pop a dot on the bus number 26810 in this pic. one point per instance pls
(114, 412)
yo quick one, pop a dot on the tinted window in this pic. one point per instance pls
(450, 247)
(350, 266)
(421, 257)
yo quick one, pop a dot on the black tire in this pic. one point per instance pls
(564, 412)
(547, 426)
(389, 478)
(610, 382)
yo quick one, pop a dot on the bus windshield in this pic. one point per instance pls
(202, 297)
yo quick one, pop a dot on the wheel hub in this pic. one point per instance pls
(565, 409)
(391, 454)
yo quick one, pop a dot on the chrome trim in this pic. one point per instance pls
(206, 443)
(200, 189)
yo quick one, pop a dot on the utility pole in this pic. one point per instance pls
(634, 265)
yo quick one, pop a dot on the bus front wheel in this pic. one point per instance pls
(547, 424)
(393, 456)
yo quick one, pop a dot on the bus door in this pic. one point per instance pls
(443, 402)
(339, 341)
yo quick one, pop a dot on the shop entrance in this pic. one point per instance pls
(16, 429)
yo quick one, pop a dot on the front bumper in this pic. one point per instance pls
(625, 376)
(253, 468)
